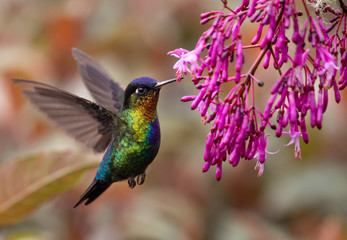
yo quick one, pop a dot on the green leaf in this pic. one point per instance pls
(28, 181)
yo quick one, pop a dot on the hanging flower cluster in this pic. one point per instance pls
(317, 65)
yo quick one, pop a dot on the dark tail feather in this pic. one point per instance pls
(93, 192)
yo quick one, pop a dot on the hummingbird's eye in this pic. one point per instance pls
(141, 91)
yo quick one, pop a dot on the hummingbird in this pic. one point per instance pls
(122, 122)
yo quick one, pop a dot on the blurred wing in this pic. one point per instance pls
(82, 119)
(106, 92)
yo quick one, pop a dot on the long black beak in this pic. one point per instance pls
(160, 84)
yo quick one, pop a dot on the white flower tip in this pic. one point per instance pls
(260, 167)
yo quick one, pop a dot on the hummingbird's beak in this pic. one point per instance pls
(160, 84)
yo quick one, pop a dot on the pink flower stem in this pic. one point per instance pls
(264, 50)
(225, 2)
(339, 24)
(306, 8)
(251, 46)
(276, 61)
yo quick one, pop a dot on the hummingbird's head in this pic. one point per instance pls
(143, 93)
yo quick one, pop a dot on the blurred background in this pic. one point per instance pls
(294, 199)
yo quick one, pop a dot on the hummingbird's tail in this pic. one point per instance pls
(93, 192)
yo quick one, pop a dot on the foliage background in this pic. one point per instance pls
(294, 199)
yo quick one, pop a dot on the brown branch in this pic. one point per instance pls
(343, 6)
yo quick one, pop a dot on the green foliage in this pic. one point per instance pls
(28, 181)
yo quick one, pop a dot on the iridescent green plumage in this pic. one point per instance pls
(125, 122)
(137, 142)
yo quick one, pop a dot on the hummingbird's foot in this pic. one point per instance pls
(131, 182)
(141, 178)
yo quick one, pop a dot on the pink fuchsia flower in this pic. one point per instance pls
(329, 67)
(306, 74)
(295, 139)
(260, 155)
(185, 58)
(343, 71)
(260, 167)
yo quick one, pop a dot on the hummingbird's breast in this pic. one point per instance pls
(133, 150)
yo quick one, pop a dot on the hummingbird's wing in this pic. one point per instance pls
(87, 122)
(106, 92)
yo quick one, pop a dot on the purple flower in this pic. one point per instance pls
(329, 67)
(185, 58)
(260, 167)
(261, 154)
(343, 71)
(302, 85)
(295, 135)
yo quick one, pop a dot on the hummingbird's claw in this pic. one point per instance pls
(141, 178)
(131, 182)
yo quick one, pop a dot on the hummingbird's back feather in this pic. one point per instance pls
(105, 91)
(93, 191)
(82, 119)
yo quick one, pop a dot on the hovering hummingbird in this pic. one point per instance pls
(123, 122)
